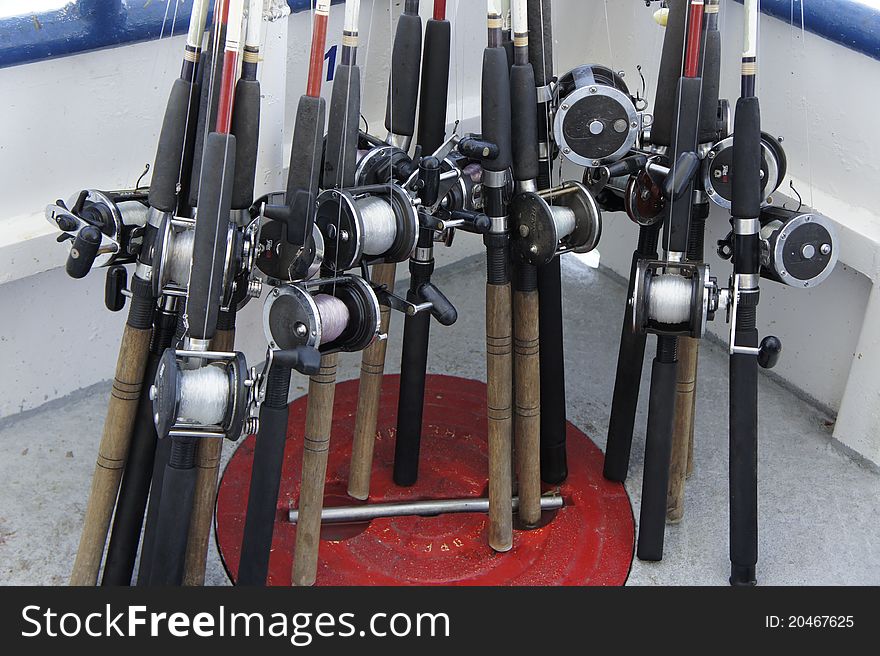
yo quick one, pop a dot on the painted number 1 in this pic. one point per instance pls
(330, 57)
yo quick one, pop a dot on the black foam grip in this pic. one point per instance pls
(246, 128)
(746, 170)
(148, 546)
(663, 128)
(265, 480)
(169, 152)
(658, 451)
(496, 107)
(209, 247)
(743, 425)
(435, 85)
(711, 74)
(340, 158)
(403, 88)
(524, 114)
(304, 175)
(175, 509)
(83, 252)
(627, 381)
(413, 363)
(541, 40)
(554, 462)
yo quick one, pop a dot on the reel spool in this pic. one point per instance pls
(597, 120)
(370, 224)
(555, 221)
(338, 314)
(718, 163)
(116, 214)
(209, 401)
(673, 298)
(798, 248)
(174, 252)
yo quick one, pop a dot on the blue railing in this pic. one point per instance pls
(67, 27)
(851, 23)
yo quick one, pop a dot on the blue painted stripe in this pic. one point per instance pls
(82, 25)
(850, 23)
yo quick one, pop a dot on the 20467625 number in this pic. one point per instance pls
(809, 622)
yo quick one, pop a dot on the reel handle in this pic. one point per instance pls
(769, 352)
(83, 252)
(114, 288)
(478, 149)
(441, 307)
(304, 359)
(626, 166)
(681, 175)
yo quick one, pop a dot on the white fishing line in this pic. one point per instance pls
(204, 395)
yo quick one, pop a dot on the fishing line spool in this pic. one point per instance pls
(210, 400)
(559, 220)
(331, 315)
(673, 298)
(372, 224)
(597, 121)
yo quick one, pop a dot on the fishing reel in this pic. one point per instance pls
(283, 260)
(202, 394)
(674, 298)
(173, 256)
(103, 227)
(596, 121)
(548, 223)
(799, 248)
(330, 315)
(718, 164)
(370, 224)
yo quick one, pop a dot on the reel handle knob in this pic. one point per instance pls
(117, 282)
(478, 149)
(83, 252)
(475, 222)
(627, 166)
(441, 308)
(681, 175)
(304, 359)
(769, 352)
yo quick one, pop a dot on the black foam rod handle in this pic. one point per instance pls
(524, 112)
(403, 89)
(212, 224)
(711, 74)
(340, 158)
(496, 108)
(541, 40)
(671, 61)
(746, 171)
(246, 128)
(435, 85)
(83, 252)
(169, 153)
(304, 175)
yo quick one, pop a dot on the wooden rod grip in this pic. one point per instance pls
(208, 452)
(112, 452)
(683, 426)
(499, 401)
(369, 391)
(316, 445)
(527, 407)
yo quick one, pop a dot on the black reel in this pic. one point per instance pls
(597, 121)
(332, 315)
(278, 259)
(718, 164)
(673, 298)
(548, 223)
(377, 223)
(209, 400)
(798, 248)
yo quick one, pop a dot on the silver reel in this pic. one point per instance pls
(798, 248)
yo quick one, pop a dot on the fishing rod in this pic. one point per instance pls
(245, 127)
(496, 118)
(113, 229)
(204, 298)
(296, 219)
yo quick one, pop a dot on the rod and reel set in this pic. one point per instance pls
(324, 252)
